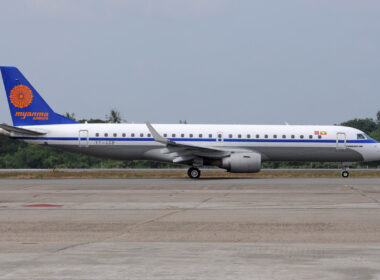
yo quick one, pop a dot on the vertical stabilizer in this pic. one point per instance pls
(27, 107)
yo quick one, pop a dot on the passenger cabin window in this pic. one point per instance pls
(292, 136)
(148, 135)
(105, 134)
(182, 135)
(257, 136)
(248, 136)
(141, 134)
(165, 135)
(210, 136)
(319, 136)
(275, 136)
(173, 135)
(266, 136)
(191, 135)
(283, 136)
(230, 136)
(310, 136)
(301, 136)
(132, 135)
(200, 135)
(239, 135)
(97, 134)
(361, 136)
(124, 135)
(115, 135)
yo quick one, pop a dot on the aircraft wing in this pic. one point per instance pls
(186, 152)
(20, 130)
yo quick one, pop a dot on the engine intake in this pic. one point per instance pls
(242, 163)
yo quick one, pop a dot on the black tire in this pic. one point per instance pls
(345, 174)
(194, 173)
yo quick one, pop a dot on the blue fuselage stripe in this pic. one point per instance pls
(366, 141)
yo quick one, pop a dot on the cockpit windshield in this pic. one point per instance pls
(361, 136)
(367, 136)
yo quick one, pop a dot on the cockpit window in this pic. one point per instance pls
(367, 136)
(361, 136)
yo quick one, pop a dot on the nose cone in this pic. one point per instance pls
(371, 152)
(377, 151)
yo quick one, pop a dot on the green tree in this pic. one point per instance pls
(114, 116)
(366, 125)
(70, 116)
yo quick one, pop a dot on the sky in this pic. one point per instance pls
(204, 61)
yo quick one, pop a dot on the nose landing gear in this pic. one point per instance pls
(346, 166)
(194, 173)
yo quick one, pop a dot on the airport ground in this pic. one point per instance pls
(174, 228)
(213, 173)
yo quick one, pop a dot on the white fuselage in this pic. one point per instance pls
(273, 142)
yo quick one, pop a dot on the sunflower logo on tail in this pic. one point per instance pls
(21, 96)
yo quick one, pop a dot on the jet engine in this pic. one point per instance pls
(242, 163)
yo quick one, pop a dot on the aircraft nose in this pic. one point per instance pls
(378, 150)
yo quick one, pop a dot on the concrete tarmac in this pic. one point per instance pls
(190, 229)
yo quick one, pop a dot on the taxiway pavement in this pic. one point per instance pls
(190, 229)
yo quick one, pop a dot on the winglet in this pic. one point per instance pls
(157, 137)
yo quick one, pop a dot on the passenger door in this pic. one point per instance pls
(341, 141)
(83, 138)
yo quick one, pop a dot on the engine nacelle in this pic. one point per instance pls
(242, 163)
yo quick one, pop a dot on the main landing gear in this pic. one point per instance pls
(194, 173)
(345, 174)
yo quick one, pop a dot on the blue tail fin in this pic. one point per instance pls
(26, 105)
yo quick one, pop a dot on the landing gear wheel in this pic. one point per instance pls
(194, 173)
(345, 174)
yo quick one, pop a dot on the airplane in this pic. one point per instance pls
(235, 148)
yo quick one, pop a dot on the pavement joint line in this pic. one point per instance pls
(112, 237)
(30, 262)
(72, 246)
(362, 193)
(157, 218)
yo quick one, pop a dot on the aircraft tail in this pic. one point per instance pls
(26, 105)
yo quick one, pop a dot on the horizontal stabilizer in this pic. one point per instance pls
(20, 130)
